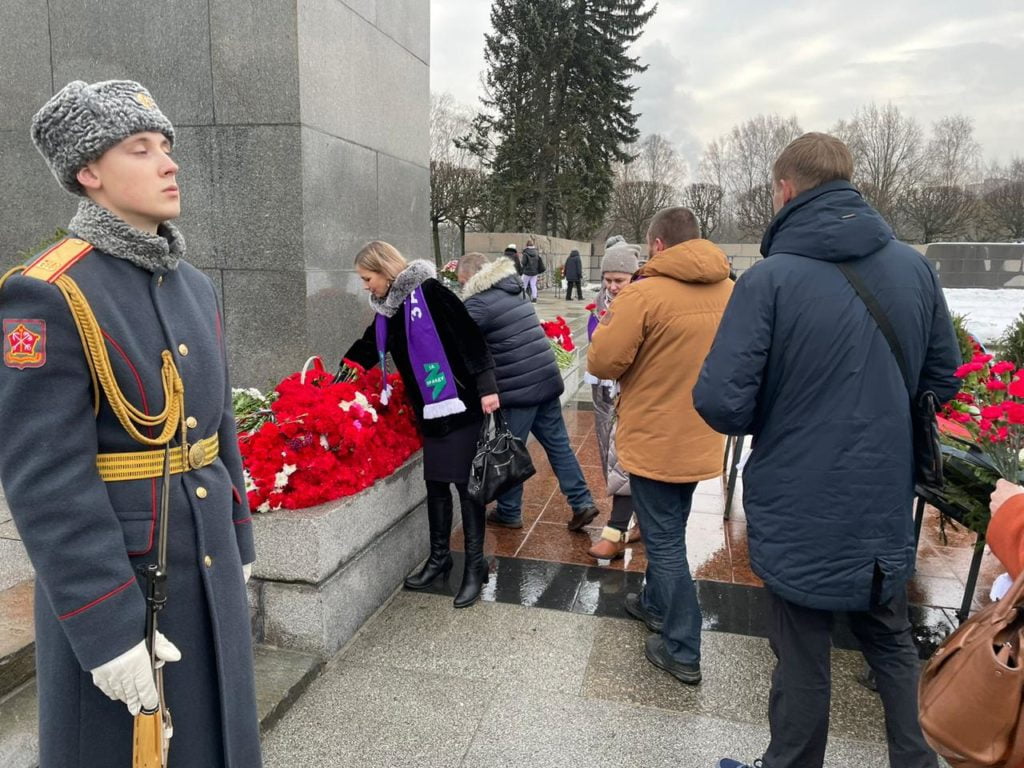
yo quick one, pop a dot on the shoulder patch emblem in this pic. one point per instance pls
(58, 259)
(24, 343)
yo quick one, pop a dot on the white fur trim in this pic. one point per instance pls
(444, 408)
(489, 275)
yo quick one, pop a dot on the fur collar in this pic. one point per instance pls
(408, 280)
(488, 276)
(115, 237)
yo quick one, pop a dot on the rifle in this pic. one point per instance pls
(154, 728)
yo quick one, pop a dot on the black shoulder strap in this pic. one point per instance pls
(879, 314)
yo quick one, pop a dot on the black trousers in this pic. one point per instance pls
(568, 290)
(802, 681)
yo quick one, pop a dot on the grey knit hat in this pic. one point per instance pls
(613, 240)
(621, 257)
(83, 121)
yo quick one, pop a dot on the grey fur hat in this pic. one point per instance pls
(83, 121)
(621, 257)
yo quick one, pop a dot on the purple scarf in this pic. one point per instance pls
(426, 356)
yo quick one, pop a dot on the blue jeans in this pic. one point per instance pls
(662, 510)
(547, 425)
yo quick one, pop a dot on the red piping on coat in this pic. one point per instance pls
(98, 600)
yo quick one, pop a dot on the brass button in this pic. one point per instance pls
(209, 561)
(201, 492)
(191, 422)
(182, 350)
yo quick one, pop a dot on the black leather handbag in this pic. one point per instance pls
(923, 406)
(501, 461)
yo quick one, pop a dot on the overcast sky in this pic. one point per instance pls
(715, 63)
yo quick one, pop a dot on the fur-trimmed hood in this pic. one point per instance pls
(489, 276)
(408, 280)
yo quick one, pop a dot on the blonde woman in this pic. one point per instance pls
(448, 373)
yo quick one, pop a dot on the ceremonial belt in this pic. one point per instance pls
(141, 465)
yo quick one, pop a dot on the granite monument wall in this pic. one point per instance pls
(302, 133)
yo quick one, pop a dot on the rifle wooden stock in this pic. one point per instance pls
(148, 741)
(152, 730)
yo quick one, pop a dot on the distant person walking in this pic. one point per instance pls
(512, 254)
(533, 267)
(573, 275)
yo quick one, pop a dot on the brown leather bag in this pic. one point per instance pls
(971, 695)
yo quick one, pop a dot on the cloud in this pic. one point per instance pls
(714, 64)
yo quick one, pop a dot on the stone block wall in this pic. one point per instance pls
(978, 265)
(302, 134)
(555, 250)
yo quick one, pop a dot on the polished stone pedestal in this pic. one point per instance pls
(325, 570)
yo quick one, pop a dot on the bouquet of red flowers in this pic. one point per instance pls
(991, 408)
(560, 335)
(982, 431)
(326, 437)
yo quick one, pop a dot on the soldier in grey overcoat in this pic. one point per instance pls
(85, 530)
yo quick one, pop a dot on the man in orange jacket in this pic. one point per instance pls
(653, 340)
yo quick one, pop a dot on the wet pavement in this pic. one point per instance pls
(546, 565)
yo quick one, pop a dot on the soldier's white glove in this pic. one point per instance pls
(128, 677)
(247, 571)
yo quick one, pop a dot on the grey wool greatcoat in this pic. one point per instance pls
(86, 537)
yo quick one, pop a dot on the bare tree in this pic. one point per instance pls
(705, 200)
(659, 161)
(888, 154)
(742, 161)
(941, 206)
(953, 157)
(456, 181)
(938, 212)
(650, 182)
(1002, 210)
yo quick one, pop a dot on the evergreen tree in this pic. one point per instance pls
(558, 109)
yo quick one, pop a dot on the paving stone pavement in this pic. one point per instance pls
(506, 685)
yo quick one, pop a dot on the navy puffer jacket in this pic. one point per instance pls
(801, 365)
(525, 366)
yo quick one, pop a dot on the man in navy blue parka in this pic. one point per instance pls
(801, 365)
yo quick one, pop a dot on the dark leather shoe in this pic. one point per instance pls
(636, 609)
(494, 519)
(654, 650)
(582, 516)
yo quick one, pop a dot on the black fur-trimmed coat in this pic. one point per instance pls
(464, 346)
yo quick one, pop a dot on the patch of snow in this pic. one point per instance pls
(989, 311)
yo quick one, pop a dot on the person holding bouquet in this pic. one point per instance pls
(448, 372)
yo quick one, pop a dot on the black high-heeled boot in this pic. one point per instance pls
(475, 574)
(439, 516)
